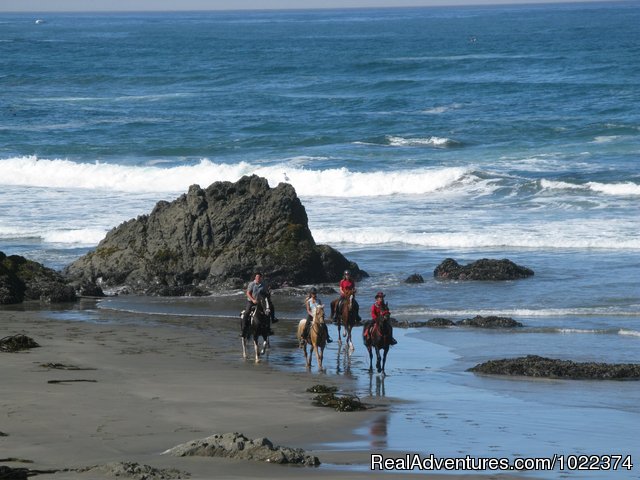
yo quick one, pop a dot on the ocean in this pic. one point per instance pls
(410, 135)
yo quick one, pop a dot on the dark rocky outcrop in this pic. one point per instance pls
(22, 279)
(477, 321)
(489, 322)
(236, 445)
(536, 366)
(484, 269)
(215, 237)
(414, 278)
(439, 322)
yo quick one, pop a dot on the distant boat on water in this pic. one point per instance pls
(39, 21)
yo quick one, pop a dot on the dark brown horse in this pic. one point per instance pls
(347, 316)
(258, 327)
(377, 334)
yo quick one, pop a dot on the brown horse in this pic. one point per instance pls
(347, 317)
(376, 334)
(317, 337)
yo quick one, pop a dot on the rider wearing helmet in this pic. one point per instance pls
(310, 303)
(347, 287)
(380, 309)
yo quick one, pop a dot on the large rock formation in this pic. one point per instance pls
(214, 237)
(22, 279)
(484, 269)
(536, 366)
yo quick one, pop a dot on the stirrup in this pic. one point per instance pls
(329, 340)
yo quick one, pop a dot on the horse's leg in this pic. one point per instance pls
(370, 358)
(244, 348)
(384, 358)
(256, 348)
(318, 356)
(378, 367)
(352, 347)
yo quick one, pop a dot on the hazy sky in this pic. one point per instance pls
(133, 5)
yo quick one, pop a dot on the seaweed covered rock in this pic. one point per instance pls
(15, 343)
(212, 237)
(22, 279)
(236, 445)
(489, 322)
(439, 322)
(484, 269)
(414, 278)
(537, 366)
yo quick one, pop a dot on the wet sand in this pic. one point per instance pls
(147, 387)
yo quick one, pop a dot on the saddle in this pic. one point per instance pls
(378, 327)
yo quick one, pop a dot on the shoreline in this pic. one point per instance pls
(151, 387)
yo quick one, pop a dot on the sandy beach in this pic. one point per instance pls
(147, 388)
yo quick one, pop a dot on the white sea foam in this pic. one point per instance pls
(613, 189)
(70, 238)
(438, 142)
(441, 109)
(605, 138)
(339, 182)
(555, 185)
(536, 237)
(617, 189)
(528, 312)
(81, 237)
(629, 333)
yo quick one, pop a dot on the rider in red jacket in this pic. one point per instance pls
(380, 309)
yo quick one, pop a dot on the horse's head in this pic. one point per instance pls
(350, 298)
(319, 314)
(264, 303)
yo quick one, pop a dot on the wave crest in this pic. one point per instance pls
(338, 182)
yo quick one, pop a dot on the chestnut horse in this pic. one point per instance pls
(317, 337)
(347, 317)
(258, 327)
(376, 334)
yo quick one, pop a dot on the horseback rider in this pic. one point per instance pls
(256, 288)
(310, 303)
(347, 287)
(380, 309)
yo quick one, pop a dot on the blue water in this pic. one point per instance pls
(411, 135)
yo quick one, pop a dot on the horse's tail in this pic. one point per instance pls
(300, 330)
(366, 333)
